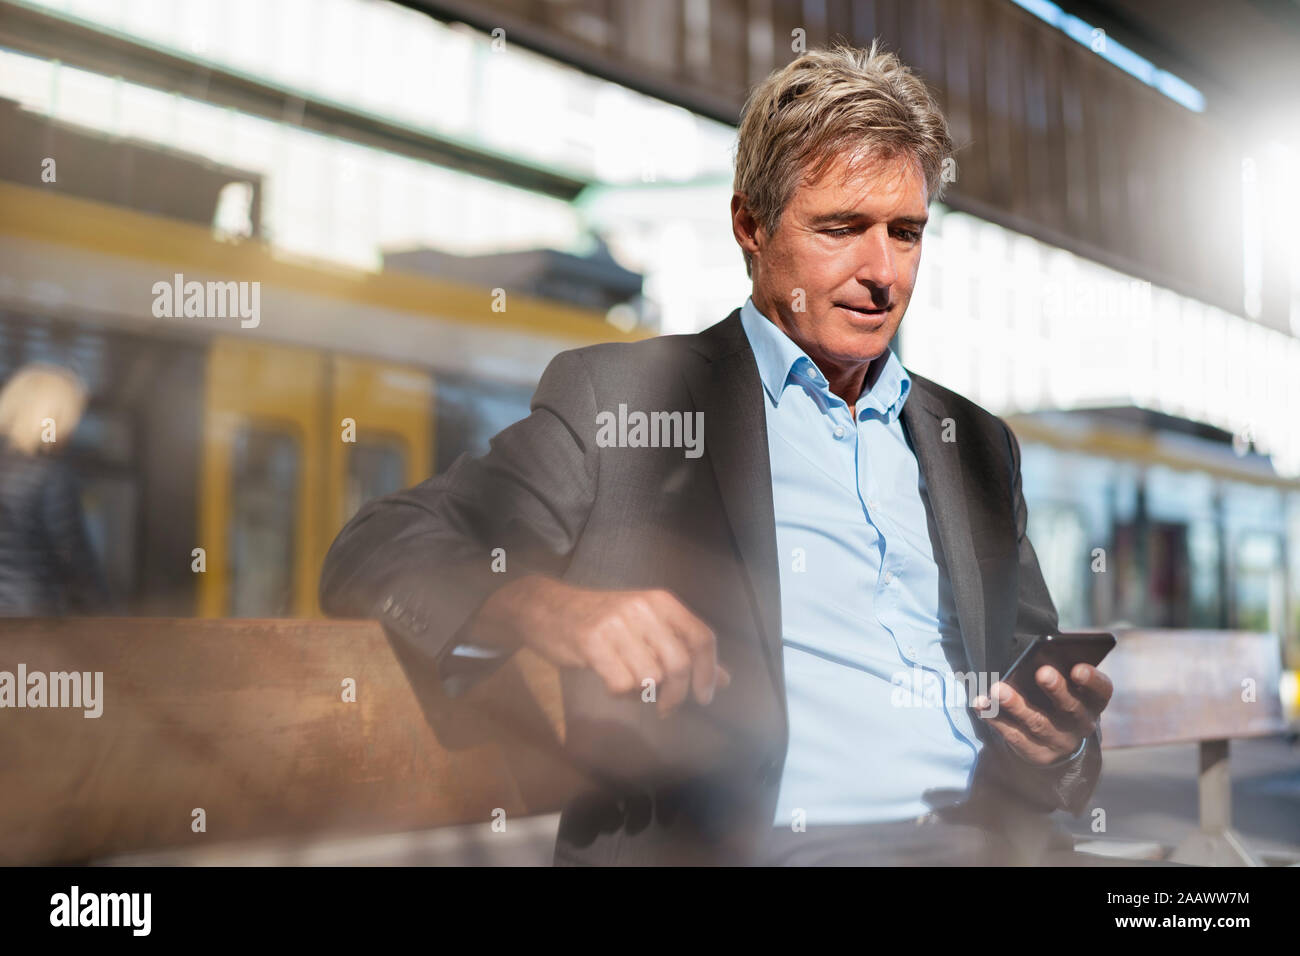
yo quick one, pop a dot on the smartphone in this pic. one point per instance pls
(1062, 651)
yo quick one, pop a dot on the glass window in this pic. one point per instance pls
(109, 505)
(1064, 556)
(375, 468)
(1257, 583)
(1293, 589)
(1168, 574)
(1206, 591)
(470, 412)
(264, 482)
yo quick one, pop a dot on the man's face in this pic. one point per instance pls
(852, 243)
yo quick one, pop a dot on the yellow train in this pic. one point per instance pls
(220, 456)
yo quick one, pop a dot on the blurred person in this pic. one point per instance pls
(732, 544)
(48, 566)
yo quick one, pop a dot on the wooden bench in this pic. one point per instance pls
(1202, 687)
(245, 720)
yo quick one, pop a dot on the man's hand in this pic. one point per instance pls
(1046, 736)
(626, 637)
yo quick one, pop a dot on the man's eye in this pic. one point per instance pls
(908, 235)
(844, 231)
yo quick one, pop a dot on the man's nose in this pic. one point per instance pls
(876, 262)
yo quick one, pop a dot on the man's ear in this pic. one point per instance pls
(743, 224)
(745, 228)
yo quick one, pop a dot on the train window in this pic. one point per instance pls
(1061, 543)
(1168, 574)
(1204, 559)
(1152, 569)
(375, 468)
(264, 485)
(1258, 583)
(1293, 586)
(109, 504)
(471, 411)
(1182, 549)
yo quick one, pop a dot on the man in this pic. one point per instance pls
(742, 624)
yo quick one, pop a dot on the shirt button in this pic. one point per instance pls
(889, 576)
(839, 431)
(911, 651)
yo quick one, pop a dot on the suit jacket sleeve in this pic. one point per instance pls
(1067, 784)
(423, 560)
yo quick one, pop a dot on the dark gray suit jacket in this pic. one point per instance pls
(700, 786)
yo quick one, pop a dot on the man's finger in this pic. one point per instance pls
(641, 660)
(701, 641)
(1096, 684)
(1017, 739)
(1037, 725)
(1073, 706)
(609, 666)
(676, 661)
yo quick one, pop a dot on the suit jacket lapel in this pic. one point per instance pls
(940, 462)
(727, 389)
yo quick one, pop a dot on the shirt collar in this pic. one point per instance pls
(779, 359)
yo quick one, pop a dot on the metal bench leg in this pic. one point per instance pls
(1216, 843)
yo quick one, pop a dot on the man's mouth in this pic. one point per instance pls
(863, 310)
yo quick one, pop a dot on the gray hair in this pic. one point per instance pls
(824, 103)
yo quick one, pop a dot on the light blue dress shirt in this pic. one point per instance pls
(868, 622)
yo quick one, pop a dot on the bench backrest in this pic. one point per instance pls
(246, 720)
(1174, 686)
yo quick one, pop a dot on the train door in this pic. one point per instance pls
(295, 441)
(261, 482)
(381, 436)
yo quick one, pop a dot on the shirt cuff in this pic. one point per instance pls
(476, 651)
(467, 664)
